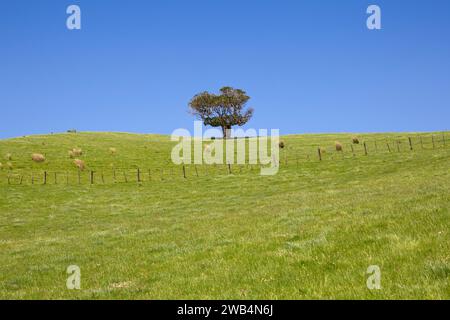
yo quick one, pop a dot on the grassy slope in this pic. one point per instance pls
(309, 232)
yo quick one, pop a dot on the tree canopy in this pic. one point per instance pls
(224, 110)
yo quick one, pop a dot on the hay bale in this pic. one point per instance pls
(355, 140)
(37, 157)
(338, 146)
(281, 144)
(79, 164)
(113, 151)
(75, 152)
(8, 156)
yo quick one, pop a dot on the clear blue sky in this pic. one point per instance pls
(309, 66)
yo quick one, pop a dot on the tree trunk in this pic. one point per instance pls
(226, 131)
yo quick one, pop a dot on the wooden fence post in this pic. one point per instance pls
(196, 171)
(125, 176)
(389, 148)
(103, 178)
(138, 175)
(79, 176)
(432, 138)
(365, 148)
(320, 154)
(45, 177)
(410, 144)
(184, 172)
(398, 146)
(229, 168)
(92, 177)
(32, 177)
(56, 178)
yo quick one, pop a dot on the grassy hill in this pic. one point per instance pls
(311, 231)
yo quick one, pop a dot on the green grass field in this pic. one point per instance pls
(309, 232)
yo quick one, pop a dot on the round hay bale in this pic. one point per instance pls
(281, 144)
(79, 164)
(355, 140)
(37, 157)
(338, 146)
(77, 152)
(113, 151)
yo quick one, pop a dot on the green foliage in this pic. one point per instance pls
(224, 110)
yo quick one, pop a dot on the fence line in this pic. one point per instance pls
(287, 156)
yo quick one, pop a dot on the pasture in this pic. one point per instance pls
(140, 230)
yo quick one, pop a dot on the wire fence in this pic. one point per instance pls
(378, 146)
(289, 157)
(71, 177)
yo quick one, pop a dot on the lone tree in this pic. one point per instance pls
(224, 110)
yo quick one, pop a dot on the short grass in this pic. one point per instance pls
(309, 232)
